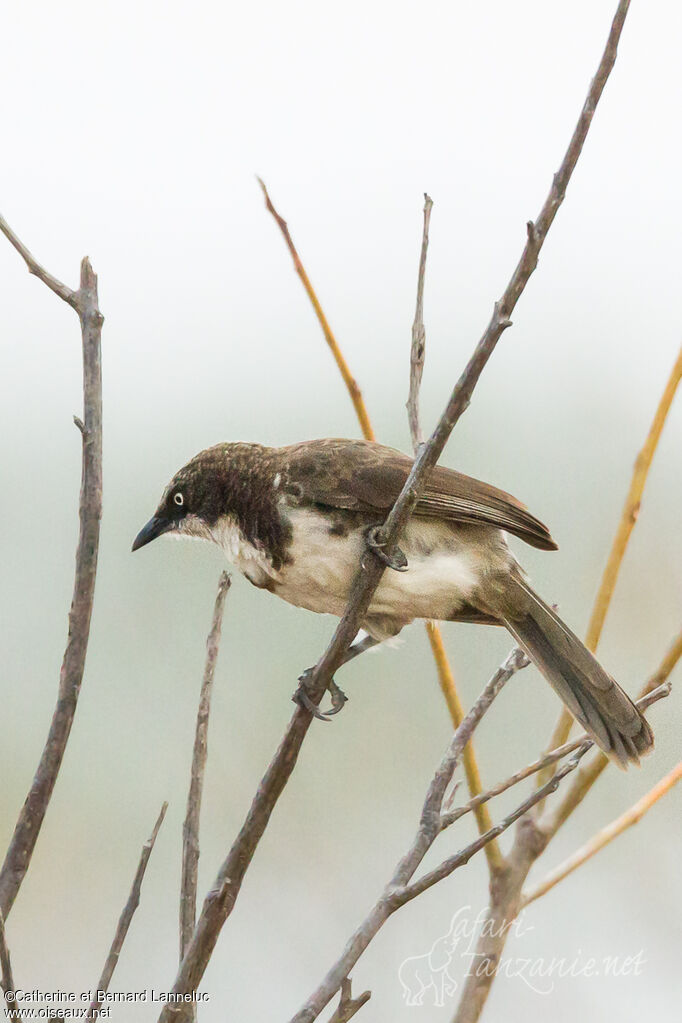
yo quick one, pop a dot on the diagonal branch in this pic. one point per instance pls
(606, 835)
(190, 831)
(125, 920)
(34, 267)
(27, 829)
(446, 679)
(395, 893)
(222, 897)
(348, 378)
(626, 525)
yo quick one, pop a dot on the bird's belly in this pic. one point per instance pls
(441, 576)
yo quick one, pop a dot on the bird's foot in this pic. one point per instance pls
(302, 697)
(397, 561)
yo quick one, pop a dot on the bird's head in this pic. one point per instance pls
(195, 499)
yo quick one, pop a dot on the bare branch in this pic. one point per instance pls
(28, 826)
(418, 349)
(125, 920)
(626, 525)
(348, 1005)
(190, 831)
(226, 888)
(6, 977)
(34, 267)
(606, 835)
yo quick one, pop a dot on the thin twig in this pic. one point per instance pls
(27, 828)
(395, 893)
(348, 1005)
(606, 835)
(190, 830)
(348, 378)
(125, 920)
(6, 977)
(228, 883)
(66, 294)
(652, 696)
(628, 519)
(446, 678)
(418, 349)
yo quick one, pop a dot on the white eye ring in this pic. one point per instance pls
(179, 499)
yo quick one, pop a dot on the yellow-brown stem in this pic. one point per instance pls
(451, 695)
(606, 835)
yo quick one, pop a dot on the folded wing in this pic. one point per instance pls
(365, 476)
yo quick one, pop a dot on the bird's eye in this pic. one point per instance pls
(179, 499)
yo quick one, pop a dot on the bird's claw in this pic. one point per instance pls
(302, 698)
(338, 698)
(397, 561)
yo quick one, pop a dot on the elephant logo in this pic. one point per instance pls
(429, 972)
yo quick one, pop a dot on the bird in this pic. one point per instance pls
(297, 521)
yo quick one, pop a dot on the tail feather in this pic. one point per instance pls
(595, 699)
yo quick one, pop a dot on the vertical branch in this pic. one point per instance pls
(418, 349)
(445, 676)
(125, 920)
(27, 829)
(626, 525)
(190, 830)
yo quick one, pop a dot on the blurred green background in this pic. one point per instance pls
(132, 133)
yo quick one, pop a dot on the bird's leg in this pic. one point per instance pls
(338, 696)
(397, 561)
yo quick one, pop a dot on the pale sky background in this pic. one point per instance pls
(132, 132)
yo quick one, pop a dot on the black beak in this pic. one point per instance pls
(155, 527)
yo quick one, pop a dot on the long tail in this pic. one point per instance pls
(595, 699)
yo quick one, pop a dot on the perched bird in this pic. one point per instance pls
(297, 520)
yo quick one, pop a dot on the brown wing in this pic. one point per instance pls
(365, 476)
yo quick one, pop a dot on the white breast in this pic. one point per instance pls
(444, 568)
(442, 572)
(250, 560)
